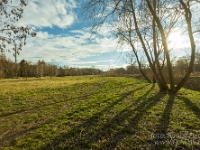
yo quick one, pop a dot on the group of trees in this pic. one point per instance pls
(180, 66)
(9, 69)
(12, 37)
(183, 62)
(146, 25)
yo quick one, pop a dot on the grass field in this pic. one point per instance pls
(78, 113)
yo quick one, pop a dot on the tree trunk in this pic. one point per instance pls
(166, 50)
(188, 17)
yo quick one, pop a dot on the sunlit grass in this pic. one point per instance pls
(96, 113)
(20, 85)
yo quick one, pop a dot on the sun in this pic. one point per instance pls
(175, 40)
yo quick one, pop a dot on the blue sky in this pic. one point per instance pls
(63, 37)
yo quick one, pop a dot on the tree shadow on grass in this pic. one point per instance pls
(133, 118)
(35, 125)
(162, 139)
(191, 106)
(160, 135)
(196, 110)
(95, 133)
(10, 133)
(64, 98)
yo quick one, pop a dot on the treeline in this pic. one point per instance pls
(129, 70)
(24, 68)
(9, 69)
(179, 68)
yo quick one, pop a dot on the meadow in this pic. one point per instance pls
(93, 112)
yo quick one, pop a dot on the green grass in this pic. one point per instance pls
(96, 113)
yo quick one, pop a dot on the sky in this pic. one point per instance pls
(64, 37)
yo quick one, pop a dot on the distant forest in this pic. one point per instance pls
(25, 68)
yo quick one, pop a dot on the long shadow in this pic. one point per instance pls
(160, 135)
(145, 95)
(190, 105)
(90, 93)
(37, 123)
(161, 139)
(196, 110)
(48, 104)
(133, 117)
(133, 121)
(11, 136)
(99, 132)
(81, 97)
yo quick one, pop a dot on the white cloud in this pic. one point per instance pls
(106, 29)
(62, 49)
(65, 49)
(48, 13)
(43, 35)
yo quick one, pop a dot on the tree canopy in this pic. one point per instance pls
(10, 33)
(146, 25)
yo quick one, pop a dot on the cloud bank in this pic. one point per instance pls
(71, 47)
(49, 13)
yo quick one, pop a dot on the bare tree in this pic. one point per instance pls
(10, 34)
(146, 25)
